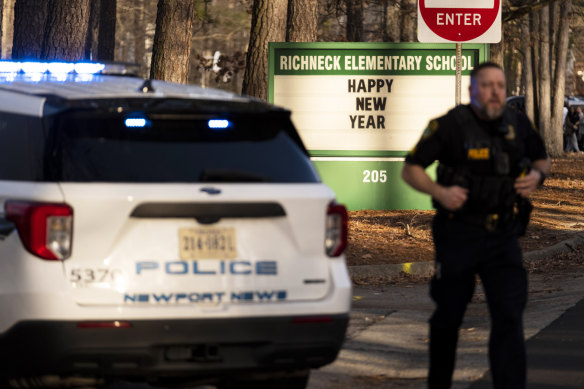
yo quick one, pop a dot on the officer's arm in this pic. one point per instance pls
(529, 183)
(451, 198)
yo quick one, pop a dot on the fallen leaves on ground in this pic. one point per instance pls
(399, 236)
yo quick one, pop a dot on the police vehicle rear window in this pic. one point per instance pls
(157, 146)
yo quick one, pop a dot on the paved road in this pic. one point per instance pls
(387, 345)
(555, 355)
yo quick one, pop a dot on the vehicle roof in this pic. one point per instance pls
(27, 94)
(81, 86)
(572, 100)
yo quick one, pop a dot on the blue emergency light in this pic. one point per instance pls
(38, 67)
(136, 122)
(219, 124)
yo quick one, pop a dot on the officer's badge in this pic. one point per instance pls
(510, 135)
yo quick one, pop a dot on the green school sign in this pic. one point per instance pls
(359, 108)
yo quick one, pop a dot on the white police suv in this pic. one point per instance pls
(160, 232)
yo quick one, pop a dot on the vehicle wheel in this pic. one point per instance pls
(299, 381)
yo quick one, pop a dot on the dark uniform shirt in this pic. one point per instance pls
(491, 154)
(444, 140)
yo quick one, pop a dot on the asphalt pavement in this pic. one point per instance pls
(555, 355)
(387, 342)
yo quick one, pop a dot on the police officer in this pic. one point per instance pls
(490, 161)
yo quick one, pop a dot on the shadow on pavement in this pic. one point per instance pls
(555, 356)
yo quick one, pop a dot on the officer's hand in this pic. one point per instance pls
(525, 185)
(452, 197)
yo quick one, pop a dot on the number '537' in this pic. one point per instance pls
(93, 275)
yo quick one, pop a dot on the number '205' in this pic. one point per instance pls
(374, 176)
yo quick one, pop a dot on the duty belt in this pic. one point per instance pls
(490, 221)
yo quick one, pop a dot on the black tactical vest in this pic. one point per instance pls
(492, 160)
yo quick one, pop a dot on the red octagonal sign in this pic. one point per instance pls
(459, 21)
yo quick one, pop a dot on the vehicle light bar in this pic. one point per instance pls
(36, 67)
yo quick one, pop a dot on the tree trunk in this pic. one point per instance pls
(527, 68)
(106, 43)
(390, 21)
(140, 37)
(7, 28)
(302, 23)
(30, 19)
(408, 20)
(66, 29)
(172, 40)
(535, 56)
(1, 23)
(575, 83)
(92, 31)
(267, 25)
(561, 55)
(497, 52)
(545, 85)
(354, 20)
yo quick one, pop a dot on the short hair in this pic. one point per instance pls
(484, 65)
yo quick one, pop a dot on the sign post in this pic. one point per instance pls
(459, 21)
(458, 73)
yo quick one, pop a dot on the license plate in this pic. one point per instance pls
(207, 243)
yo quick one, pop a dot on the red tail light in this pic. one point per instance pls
(45, 230)
(336, 230)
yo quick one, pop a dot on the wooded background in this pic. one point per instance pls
(223, 43)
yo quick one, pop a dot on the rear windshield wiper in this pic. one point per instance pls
(228, 175)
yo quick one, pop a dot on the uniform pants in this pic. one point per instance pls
(462, 252)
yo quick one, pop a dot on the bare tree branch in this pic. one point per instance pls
(517, 11)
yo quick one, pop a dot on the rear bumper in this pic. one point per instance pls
(173, 348)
